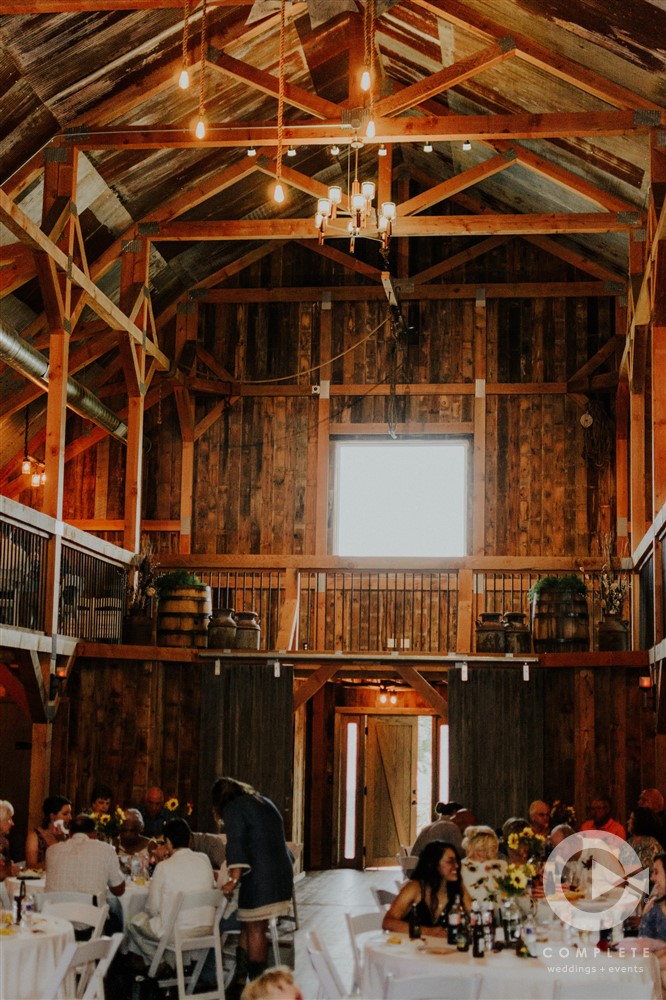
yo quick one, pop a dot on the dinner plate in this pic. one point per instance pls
(437, 948)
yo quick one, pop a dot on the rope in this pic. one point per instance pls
(280, 113)
(315, 368)
(202, 81)
(186, 33)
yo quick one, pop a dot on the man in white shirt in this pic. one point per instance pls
(184, 870)
(84, 864)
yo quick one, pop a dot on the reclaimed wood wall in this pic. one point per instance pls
(129, 725)
(567, 734)
(544, 490)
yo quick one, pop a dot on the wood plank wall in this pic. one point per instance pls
(543, 495)
(566, 734)
(129, 725)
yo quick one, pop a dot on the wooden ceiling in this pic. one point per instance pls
(560, 99)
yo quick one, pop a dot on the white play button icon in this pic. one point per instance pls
(604, 879)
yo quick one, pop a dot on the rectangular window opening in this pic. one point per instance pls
(401, 498)
(350, 790)
(443, 763)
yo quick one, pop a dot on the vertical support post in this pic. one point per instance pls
(323, 405)
(465, 596)
(479, 492)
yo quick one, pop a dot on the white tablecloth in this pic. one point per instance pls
(132, 901)
(29, 958)
(507, 977)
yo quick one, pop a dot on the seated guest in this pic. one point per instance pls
(539, 814)
(153, 812)
(84, 864)
(212, 845)
(183, 871)
(514, 855)
(652, 799)
(101, 800)
(439, 829)
(131, 842)
(481, 865)
(572, 872)
(6, 824)
(273, 984)
(601, 818)
(643, 829)
(653, 921)
(53, 829)
(435, 882)
(464, 818)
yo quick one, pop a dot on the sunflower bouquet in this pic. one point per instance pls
(516, 879)
(107, 825)
(532, 844)
(178, 810)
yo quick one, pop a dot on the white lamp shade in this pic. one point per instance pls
(324, 207)
(388, 209)
(358, 202)
(368, 190)
(335, 194)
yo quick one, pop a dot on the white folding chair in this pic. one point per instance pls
(42, 898)
(195, 942)
(359, 924)
(93, 956)
(383, 898)
(83, 914)
(432, 987)
(408, 863)
(330, 984)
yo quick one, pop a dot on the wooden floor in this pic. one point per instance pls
(323, 898)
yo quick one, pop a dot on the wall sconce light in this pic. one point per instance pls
(383, 694)
(393, 698)
(645, 682)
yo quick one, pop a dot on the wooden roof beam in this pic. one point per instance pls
(443, 128)
(26, 231)
(445, 225)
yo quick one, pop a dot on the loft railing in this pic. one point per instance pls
(89, 593)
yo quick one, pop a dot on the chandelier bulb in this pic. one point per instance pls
(42, 478)
(365, 79)
(26, 466)
(278, 193)
(184, 79)
(35, 479)
(200, 130)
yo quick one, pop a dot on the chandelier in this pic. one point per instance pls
(363, 219)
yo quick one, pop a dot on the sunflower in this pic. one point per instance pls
(171, 804)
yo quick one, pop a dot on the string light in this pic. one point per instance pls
(26, 464)
(184, 80)
(278, 192)
(368, 18)
(335, 149)
(200, 130)
(251, 151)
(427, 148)
(382, 151)
(369, 41)
(291, 151)
(467, 145)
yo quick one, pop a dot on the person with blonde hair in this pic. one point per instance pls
(6, 824)
(273, 984)
(481, 865)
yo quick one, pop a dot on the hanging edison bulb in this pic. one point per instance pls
(184, 78)
(278, 193)
(365, 79)
(200, 130)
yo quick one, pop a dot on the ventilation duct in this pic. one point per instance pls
(25, 359)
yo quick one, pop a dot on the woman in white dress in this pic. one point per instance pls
(481, 866)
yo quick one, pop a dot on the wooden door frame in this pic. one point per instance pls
(361, 713)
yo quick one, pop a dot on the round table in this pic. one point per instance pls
(504, 976)
(29, 958)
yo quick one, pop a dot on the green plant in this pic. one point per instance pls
(174, 579)
(570, 581)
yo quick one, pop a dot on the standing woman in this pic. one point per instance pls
(257, 857)
(53, 828)
(435, 882)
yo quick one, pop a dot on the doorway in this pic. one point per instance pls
(376, 785)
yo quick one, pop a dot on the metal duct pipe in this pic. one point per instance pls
(18, 354)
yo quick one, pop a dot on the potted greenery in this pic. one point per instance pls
(560, 618)
(183, 610)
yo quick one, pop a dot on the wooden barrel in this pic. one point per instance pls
(560, 622)
(183, 615)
